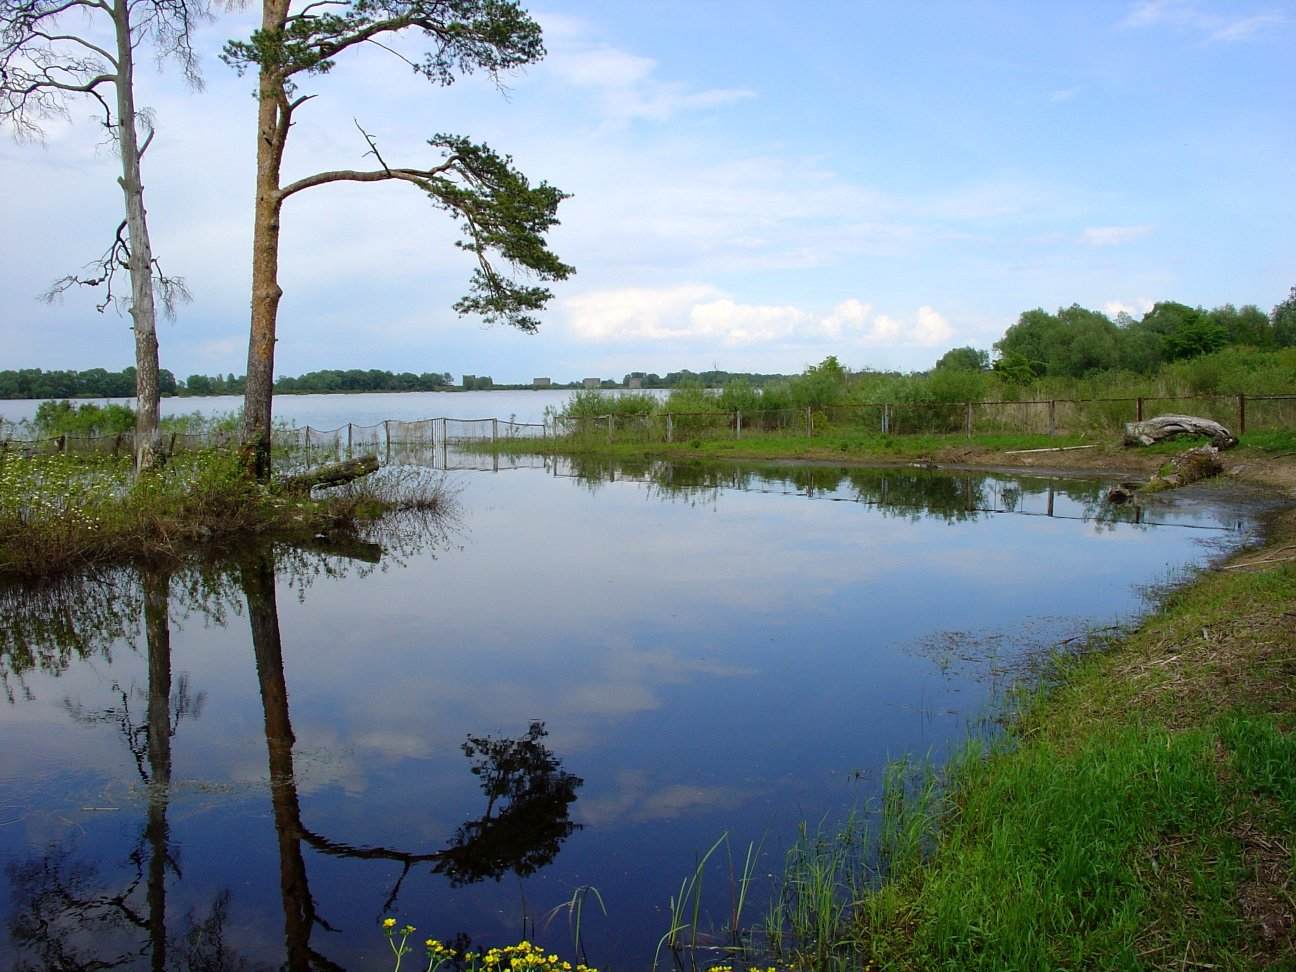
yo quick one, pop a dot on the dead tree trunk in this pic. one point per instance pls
(1188, 467)
(332, 475)
(1165, 427)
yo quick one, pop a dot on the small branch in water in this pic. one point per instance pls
(1022, 452)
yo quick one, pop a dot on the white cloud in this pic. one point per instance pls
(1112, 235)
(1186, 15)
(931, 329)
(701, 314)
(624, 83)
(1134, 308)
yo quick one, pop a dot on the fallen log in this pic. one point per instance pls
(1188, 467)
(1165, 427)
(334, 474)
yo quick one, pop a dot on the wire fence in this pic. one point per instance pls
(1241, 413)
(433, 442)
(440, 441)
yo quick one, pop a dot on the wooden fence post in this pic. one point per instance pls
(1138, 409)
(967, 420)
(494, 432)
(62, 443)
(738, 423)
(670, 428)
(611, 426)
(1241, 406)
(1052, 416)
(809, 422)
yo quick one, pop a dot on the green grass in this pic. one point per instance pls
(59, 512)
(1104, 831)
(1139, 813)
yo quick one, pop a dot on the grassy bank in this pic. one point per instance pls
(1140, 812)
(60, 512)
(848, 446)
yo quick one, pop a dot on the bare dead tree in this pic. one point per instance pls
(55, 52)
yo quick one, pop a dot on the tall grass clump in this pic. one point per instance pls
(63, 511)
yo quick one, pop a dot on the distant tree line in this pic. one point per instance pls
(94, 383)
(707, 379)
(330, 380)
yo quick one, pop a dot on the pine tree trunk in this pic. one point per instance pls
(142, 309)
(272, 132)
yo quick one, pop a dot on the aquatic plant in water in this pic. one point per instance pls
(522, 957)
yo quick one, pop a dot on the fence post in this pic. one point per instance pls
(967, 420)
(1241, 413)
(884, 418)
(809, 423)
(117, 444)
(494, 432)
(1052, 416)
(387, 436)
(348, 452)
(171, 448)
(670, 428)
(1138, 409)
(62, 443)
(611, 425)
(737, 423)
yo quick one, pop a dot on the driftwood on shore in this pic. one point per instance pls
(334, 474)
(1165, 427)
(1185, 468)
(1188, 467)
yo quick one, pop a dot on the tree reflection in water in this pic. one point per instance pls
(69, 911)
(528, 796)
(63, 916)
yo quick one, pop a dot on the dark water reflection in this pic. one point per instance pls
(247, 764)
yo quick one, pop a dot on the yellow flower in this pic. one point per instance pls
(389, 922)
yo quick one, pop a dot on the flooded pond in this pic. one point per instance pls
(584, 681)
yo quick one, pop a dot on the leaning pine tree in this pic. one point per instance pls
(46, 61)
(503, 217)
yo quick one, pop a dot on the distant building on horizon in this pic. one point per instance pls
(634, 383)
(591, 383)
(540, 382)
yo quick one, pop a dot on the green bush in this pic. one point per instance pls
(64, 418)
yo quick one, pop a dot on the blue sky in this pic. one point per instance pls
(755, 186)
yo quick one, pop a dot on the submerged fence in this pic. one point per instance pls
(426, 441)
(418, 441)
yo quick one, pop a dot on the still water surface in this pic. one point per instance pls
(586, 679)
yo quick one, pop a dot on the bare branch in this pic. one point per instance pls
(73, 39)
(373, 146)
(299, 15)
(417, 176)
(393, 52)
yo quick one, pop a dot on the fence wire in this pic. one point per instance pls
(431, 441)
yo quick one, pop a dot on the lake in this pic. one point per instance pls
(584, 679)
